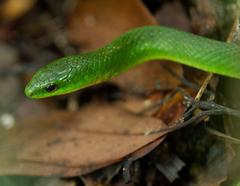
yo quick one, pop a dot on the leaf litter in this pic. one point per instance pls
(71, 144)
(63, 143)
(92, 24)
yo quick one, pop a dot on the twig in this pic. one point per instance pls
(182, 123)
(187, 83)
(126, 170)
(222, 135)
(203, 86)
(209, 108)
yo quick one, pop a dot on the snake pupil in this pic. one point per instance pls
(51, 88)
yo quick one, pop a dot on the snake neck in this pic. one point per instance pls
(154, 42)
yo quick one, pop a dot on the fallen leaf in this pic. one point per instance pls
(74, 143)
(172, 109)
(150, 76)
(95, 23)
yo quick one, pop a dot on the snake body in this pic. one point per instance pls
(139, 45)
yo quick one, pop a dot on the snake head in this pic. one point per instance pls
(63, 76)
(50, 80)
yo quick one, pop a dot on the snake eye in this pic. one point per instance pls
(51, 88)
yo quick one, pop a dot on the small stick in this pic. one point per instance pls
(222, 135)
(212, 109)
(126, 170)
(203, 86)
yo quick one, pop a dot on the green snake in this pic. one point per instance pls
(134, 47)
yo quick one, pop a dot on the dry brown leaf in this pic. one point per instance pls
(70, 144)
(150, 76)
(95, 23)
(172, 109)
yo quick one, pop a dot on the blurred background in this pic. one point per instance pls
(73, 140)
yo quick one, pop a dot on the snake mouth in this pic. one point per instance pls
(28, 91)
